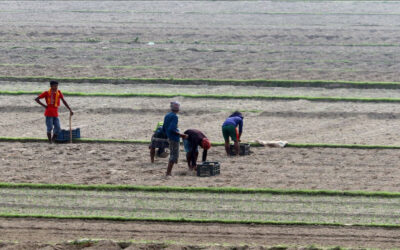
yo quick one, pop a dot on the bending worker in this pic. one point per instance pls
(158, 140)
(229, 129)
(195, 139)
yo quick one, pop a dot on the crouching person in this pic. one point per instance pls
(195, 139)
(229, 129)
(53, 97)
(170, 128)
(158, 140)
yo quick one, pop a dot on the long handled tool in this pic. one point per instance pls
(70, 128)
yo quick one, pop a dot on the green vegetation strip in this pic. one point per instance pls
(354, 146)
(187, 204)
(183, 220)
(183, 206)
(253, 144)
(215, 96)
(253, 82)
(225, 190)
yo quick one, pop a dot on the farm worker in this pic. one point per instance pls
(170, 128)
(53, 97)
(195, 139)
(158, 140)
(229, 129)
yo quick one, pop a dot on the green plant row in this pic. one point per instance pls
(184, 220)
(353, 1)
(253, 144)
(327, 145)
(106, 187)
(215, 96)
(181, 81)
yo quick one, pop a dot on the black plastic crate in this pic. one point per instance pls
(63, 136)
(244, 149)
(208, 168)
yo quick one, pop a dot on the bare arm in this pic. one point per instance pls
(240, 128)
(204, 158)
(37, 99)
(66, 105)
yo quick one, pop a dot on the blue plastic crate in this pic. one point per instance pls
(63, 136)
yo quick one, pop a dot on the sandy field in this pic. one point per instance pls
(288, 168)
(201, 39)
(135, 118)
(325, 40)
(203, 89)
(191, 235)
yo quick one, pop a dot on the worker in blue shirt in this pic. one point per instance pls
(170, 127)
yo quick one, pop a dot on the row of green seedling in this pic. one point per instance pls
(223, 190)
